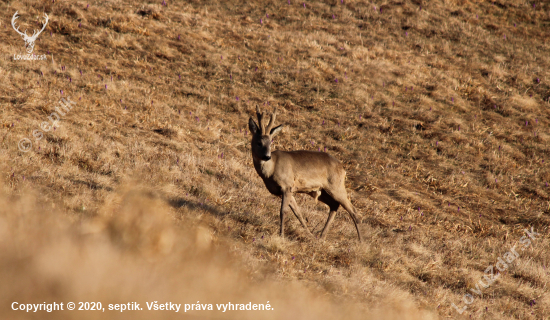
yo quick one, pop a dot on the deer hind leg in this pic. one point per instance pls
(326, 198)
(331, 215)
(343, 200)
(296, 210)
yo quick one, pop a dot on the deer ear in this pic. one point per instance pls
(252, 126)
(276, 130)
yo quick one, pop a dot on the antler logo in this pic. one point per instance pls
(29, 41)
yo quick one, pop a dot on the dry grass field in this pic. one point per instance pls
(145, 189)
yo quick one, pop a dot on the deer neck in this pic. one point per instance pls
(265, 169)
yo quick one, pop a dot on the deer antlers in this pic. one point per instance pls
(13, 25)
(265, 129)
(29, 40)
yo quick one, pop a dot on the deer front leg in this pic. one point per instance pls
(294, 207)
(284, 203)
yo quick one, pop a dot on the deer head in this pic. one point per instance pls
(29, 40)
(262, 135)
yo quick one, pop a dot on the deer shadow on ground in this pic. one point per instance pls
(179, 202)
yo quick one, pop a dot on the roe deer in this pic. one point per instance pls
(285, 172)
